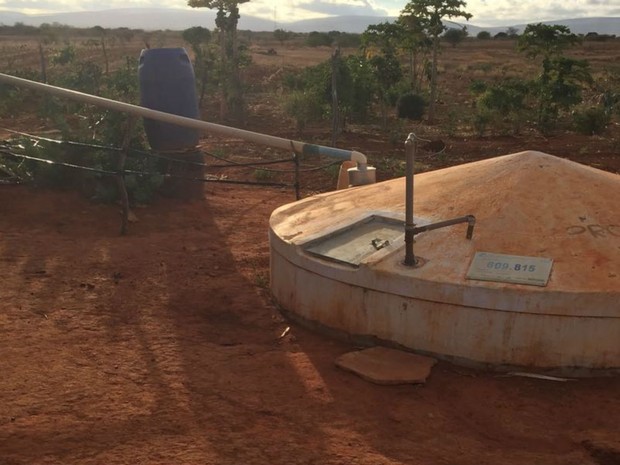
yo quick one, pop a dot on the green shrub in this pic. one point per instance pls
(591, 121)
(481, 120)
(263, 175)
(505, 102)
(411, 106)
(304, 107)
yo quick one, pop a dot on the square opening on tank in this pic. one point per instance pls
(354, 243)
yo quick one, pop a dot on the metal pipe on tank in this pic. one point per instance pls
(410, 228)
(203, 126)
(410, 149)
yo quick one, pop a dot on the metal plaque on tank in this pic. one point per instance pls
(514, 269)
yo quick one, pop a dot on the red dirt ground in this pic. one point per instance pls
(163, 347)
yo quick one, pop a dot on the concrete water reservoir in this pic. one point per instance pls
(537, 286)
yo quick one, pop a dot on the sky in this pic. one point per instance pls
(485, 12)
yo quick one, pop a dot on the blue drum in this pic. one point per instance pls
(167, 84)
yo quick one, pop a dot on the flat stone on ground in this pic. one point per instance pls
(381, 365)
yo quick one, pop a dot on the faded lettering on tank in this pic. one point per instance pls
(595, 230)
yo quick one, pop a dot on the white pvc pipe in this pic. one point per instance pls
(203, 126)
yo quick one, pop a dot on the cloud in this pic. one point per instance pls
(344, 8)
(507, 12)
(290, 10)
(309, 8)
(485, 12)
(52, 6)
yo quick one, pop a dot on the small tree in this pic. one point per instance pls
(227, 19)
(558, 86)
(512, 32)
(198, 38)
(504, 101)
(282, 36)
(387, 72)
(387, 37)
(319, 39)
(483, 35)
(102, 33)
(416, 41)
(455, 36)
(430, 13)
(411, 106)
(546, 40)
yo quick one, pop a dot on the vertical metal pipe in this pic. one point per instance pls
(410, 147)
(297, 187)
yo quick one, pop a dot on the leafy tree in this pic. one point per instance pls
(558, 87)
(418, 44)
(311, 95)
(305, 107)
(430, 13)
(102, 33)
(546, 40)
(125, 34)
(385, 66)
(387, 73)
(504, 101)
(364, 86)
(282, 36)
(198, 38)
(483, 35)
(387, 37)
(455, 36)
(226, 21)
(411, 106)
(512, 32)
(591, 121)
(64, 56)
(344, 39)
(319, 39)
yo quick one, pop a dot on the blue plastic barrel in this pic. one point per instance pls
(167, 84)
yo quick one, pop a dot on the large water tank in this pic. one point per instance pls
(167, 84)
(537, 287)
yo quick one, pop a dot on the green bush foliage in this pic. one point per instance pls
(305, 107)
(455, 36)
(90, 125)
(411, 106)
(591, 121)
(559, 84)
(504, 101)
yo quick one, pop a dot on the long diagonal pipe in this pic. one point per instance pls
(203, 126)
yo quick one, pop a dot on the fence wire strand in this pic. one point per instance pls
(229, 163)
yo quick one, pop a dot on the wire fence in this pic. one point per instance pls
(228, 164)
(18, 150)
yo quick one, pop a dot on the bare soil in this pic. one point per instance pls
(163, 346)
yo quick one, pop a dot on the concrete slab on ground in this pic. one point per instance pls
(381, 365)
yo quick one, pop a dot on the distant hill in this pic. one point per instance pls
(584, 25)
(352, 24)
(177, 19)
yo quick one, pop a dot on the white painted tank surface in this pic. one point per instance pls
(337, 262)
